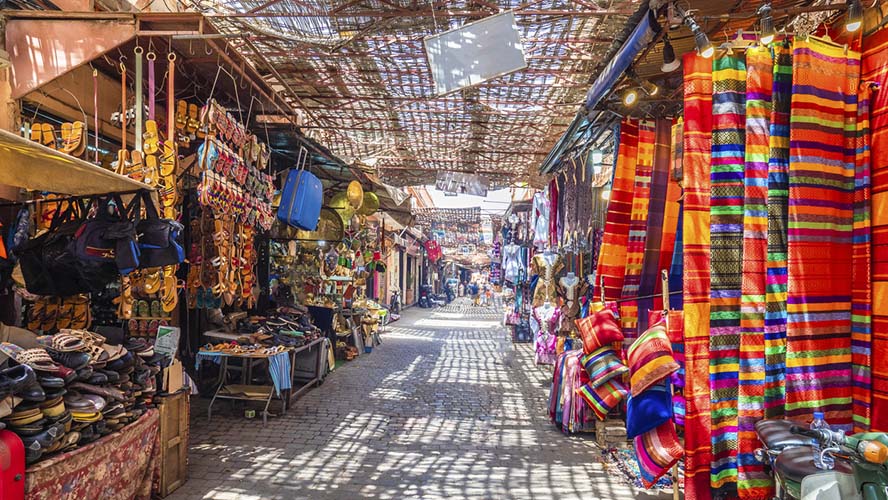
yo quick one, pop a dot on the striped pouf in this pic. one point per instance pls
(821, 194)
(695, 233)
(726, 226)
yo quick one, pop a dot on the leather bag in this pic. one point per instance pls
(158, 239)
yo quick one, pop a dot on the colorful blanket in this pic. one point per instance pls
(726, 226)
(695, 229)
(637, 231)
(753, 482)
(875, 69)
(612, 256)
(778, 193)
(821, 194)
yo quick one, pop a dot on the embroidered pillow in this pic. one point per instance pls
(650, 359)
(603, 365)
(657, 451)
(598, 329)
(648, 410)
(604, 398)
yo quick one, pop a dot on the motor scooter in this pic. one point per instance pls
(860, 472)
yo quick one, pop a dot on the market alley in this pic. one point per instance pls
(446, 407)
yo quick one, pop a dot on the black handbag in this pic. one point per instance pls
(48, 264)
(158, 239)
(96, 243)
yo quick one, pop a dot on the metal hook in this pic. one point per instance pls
(191, 47)
(207, 49)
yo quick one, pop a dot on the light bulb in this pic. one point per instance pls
(630, 97)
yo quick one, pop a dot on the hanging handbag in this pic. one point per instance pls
(96, 243)
(301, 199)
(48, 263)
(158, 239)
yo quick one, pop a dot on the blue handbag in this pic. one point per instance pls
(301, 200)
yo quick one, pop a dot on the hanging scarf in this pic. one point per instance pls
(656, 220)
(821, 194)
(753, 482)
(875, 69)
(861, 292)
(695, 232)
(778, 194)
(726, 224)
(637, 231)
(671, 210)
(612, 256)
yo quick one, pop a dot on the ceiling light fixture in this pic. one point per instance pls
(854, 17)
(767, 20)
(630, 97)
(649, 87)
(670, 62)
(704, 46)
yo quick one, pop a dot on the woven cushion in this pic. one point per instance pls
(648, 410)
(602, 365)
(650, 359)
(598, 329)
(603, 398)
(657, 451)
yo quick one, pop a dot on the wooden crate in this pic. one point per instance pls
(173, 455)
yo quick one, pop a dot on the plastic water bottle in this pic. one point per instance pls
(828, 461)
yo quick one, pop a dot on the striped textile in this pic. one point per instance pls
(656, 222)
(670, 212)
(612, 255)
(726, 226)
(753, 482)
(657, 451)
(778, 193)
(821, 194)
(861, 291)
(637, 231)
(676, 265)
(875, 69)
(695, 232)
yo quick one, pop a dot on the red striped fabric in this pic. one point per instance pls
(753, 482)
(637, 230)
(697, 144)
(612, 260)
(821, 195)
(875, 69)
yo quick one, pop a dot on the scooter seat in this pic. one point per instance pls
(796, 463)
(775, 434)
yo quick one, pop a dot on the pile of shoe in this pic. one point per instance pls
(74, 389)
(289, 327)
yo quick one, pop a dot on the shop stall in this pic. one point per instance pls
(151, 226)
(705, 254)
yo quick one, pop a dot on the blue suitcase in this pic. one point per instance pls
(301, 200)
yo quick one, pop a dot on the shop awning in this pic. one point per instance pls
(29, 165)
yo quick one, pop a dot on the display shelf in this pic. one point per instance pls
(33, 166)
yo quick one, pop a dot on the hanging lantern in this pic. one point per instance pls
(355, 194)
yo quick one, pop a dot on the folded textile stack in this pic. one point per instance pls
(74, 389)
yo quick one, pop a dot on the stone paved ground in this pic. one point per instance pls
(446, 407)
